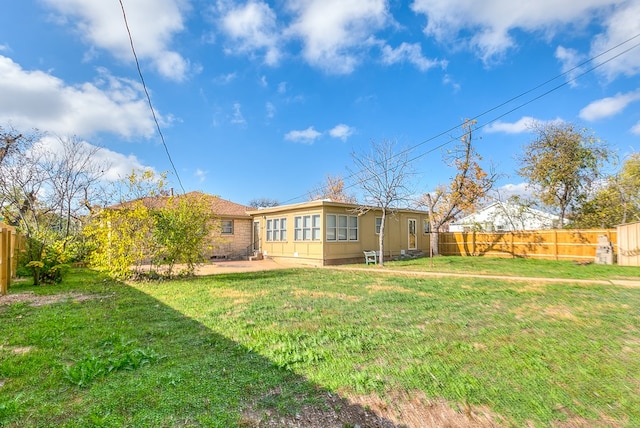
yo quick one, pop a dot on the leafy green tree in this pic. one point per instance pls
(183, 231)
(616, 202)
(121, 239)
(562, 163)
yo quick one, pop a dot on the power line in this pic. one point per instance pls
(144, 86)
(510, 100)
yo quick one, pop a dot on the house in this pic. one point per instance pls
(324, 232)
(503, 217)
(233, 235)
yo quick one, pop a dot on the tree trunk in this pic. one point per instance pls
(434, 236)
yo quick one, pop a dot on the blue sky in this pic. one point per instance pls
(264, 99)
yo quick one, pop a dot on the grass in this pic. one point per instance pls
(526, 267)
(198, 352)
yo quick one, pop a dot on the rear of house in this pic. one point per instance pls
(324, 232)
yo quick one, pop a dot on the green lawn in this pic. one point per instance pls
(517, 267)
(203, 351)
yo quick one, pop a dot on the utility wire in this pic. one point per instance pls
(153, 112)
(510, 100)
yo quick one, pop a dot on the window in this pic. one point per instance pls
(277, 229)
(378, 225)
(227, 227)
(342, 227)
(306, 228)
(426, 226)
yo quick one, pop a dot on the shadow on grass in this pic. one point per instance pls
(192, 376)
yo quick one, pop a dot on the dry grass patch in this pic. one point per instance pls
(48, 299)
(298, 292)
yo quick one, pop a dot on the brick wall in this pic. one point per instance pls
(235, 245)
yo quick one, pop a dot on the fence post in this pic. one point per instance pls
(555, 243)
(4, 261)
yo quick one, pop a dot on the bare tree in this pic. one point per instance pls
(383, 176)
(263, 203)
(333, 188)
(72, 170)
(467, 189)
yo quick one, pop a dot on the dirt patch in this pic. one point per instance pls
(398, 410)
(17, 350)
(322, 294)
(48, 299)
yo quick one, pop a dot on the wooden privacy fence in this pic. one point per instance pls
(9, 241)
(629, 244)
(556, 244)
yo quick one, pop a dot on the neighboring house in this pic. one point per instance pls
(324, 232)
(503, 217)
(233, 233)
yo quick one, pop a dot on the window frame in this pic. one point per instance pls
(346, 228)
(306, 228)
(225, 231)
(276, 229)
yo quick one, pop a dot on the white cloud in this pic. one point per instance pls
(237, 118)
(505, 191)
(636, 129)
(412, 53)
(225, 79)
(518, 127)
(31, 99)
(491, 22)
(271, 110)
(342, 131)
(201, 175)
(569, 60)
(609, 106)
(282, 87)
(336, 32)
(252, 27)
(153, 23)
(114, 165)
(621, 25)
(307, 136)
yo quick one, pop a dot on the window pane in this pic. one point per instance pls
(331, 221)
(276, 224)
(269, 235)
(283, 223)
(342, 233)
(353, 221)
(342, 221)
(353, 234)
(331, 234)
(306, 234)
(316, 220)
(298, 234)
(269, 224)
(283, 235)
(227, 226)
(297, 222)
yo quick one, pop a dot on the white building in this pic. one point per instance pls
(505, 216)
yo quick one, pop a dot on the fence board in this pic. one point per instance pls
(629, 244)
(10, 242)
(561, 244)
